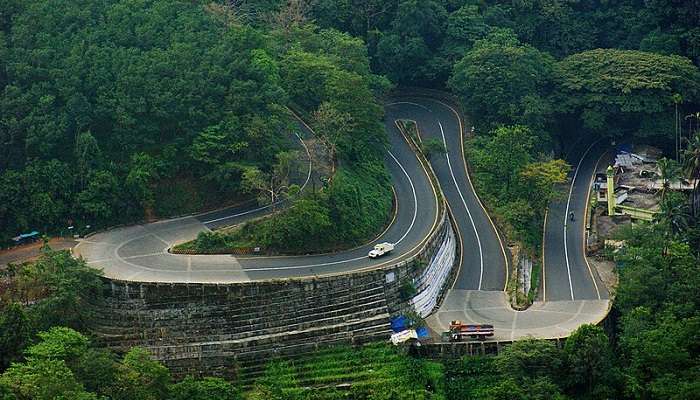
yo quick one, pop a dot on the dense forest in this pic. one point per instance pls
(117, 111)
(114, 111)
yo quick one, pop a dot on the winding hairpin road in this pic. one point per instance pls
(571, 294)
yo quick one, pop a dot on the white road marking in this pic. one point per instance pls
(415, 198)
(566, 217)
(471, 219)
(476, 195)
(544, 265)
(408, 102)
(415, 214)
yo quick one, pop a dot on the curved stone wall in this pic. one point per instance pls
(214, 329)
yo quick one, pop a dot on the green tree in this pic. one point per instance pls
(590, 363)
(44, 379)
(140, 378)
(530, 359)
(143, 172)
(502, 81)
(405, 54)
(432, 146)
(61, 288)
(59, 343)
(509, 389)
(465, 26)
(14, 334)
(271, 187)
(670, 173)
(624, 92)
(691, 166)
(542, 180)
(87, 155)
(674, 213)
(203, 389)
(504, 156)
(97, 201)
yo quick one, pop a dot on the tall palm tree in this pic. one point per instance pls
(674, 213)
(691, 165)
(670, 172)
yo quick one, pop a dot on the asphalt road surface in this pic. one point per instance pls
(140, 252)
(571, 295)
(483, 264)
(567, 274)
(477, 295)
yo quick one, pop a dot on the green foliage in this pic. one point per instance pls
(405, 53)
(625, 92)
(14, 334)
(327, 75)
(432, 146)
(278, 383)
(61, 343)
(44, 379)
(203, 389)
(659, 319)
(132, 94)
(407, 290)
(590, 362)
(376, 371)
(140, 378)
(513, 182)
(502, 81)
(530, 359)
(60, 287)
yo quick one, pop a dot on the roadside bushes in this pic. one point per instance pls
(355, 206)
(515, 181)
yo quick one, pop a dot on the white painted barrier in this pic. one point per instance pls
(430, 283)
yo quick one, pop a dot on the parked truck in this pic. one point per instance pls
(460, 331)
(381, 249)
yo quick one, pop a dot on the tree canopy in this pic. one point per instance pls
(625, 92)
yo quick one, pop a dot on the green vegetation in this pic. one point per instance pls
(327, 73)
(56, 290)
(144, 109)
(104, 104)
(514, 181)
(64, 364)
(120, 110)
(648, 351)
(375, 371)
(625, 93)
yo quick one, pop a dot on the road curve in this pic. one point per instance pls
(140, 252)
(478, 293)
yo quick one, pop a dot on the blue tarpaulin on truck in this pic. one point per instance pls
(422, 332)
(399, 323)
(24, 236)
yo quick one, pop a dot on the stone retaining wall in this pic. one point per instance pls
(217, 329)
(214, 329)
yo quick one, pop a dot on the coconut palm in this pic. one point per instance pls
(691, 157)
(670, 172)
(674, 213)
(691, 163)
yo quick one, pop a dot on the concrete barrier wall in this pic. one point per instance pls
(216, 329)
(431, 283)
